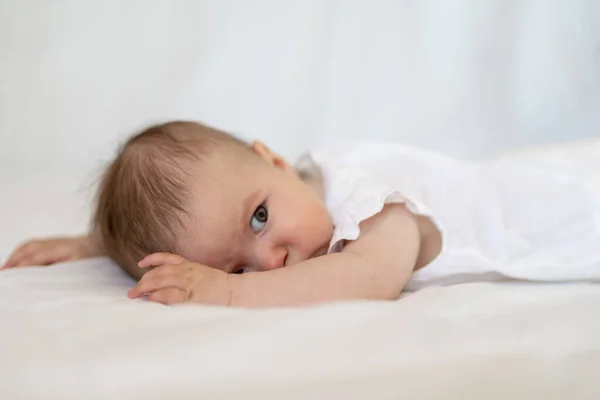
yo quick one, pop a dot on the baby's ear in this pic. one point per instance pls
(269, 156)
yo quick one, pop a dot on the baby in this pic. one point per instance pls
(196, 215)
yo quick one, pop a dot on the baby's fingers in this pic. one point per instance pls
(158, 282)
(168, 296)
(47, 256)
(35, 259)
(11, 262)
(39, 256)
(20, 254)
(157, 259)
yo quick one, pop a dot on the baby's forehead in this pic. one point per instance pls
(215, 183)
(222, 185)
(226, 170)
(214, 218)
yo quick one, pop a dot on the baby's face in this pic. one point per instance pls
(254, 216)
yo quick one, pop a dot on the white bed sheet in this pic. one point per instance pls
(69, 332)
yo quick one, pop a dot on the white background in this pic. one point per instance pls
(469, 77)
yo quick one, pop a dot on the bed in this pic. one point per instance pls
(69, 332)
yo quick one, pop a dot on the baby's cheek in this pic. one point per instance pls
(312, 227)
(321, 230)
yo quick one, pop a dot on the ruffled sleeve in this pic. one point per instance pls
(353, 195)
(363, 197)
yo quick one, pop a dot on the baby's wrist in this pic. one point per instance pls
(89, 246)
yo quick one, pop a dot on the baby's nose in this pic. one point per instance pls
(274, 259)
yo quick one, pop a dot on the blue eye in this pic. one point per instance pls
(259, 219)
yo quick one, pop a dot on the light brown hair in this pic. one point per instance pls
(145, 191)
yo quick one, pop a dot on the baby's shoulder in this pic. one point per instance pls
(361, 178)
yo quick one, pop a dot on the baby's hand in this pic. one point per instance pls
(49, 251)
(177, 280)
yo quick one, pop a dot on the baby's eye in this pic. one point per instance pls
(239, 271)
(259, 219)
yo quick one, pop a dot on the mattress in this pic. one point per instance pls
(70, 332)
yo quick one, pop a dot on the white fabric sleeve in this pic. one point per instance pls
(359, 196)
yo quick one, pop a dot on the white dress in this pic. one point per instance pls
(523, 218)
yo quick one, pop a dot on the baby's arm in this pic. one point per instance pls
(375, 266)
(54, 250)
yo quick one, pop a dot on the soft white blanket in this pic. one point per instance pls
(69, 332)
